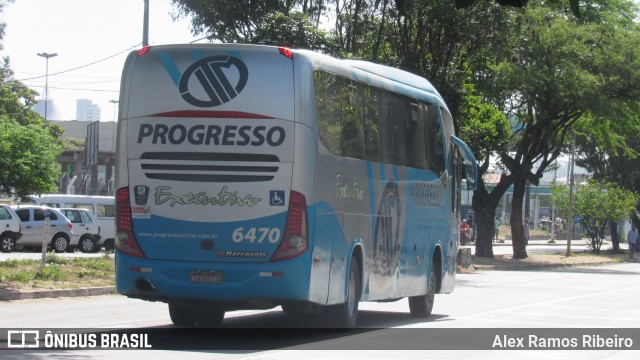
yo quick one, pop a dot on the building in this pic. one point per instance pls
(86, 110)
(90, 169)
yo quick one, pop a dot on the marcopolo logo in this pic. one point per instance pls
(206, 83)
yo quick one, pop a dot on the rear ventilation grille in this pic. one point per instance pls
(209, 167)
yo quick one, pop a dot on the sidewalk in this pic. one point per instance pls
(13, 294)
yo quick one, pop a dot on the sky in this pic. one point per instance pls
(82, 32)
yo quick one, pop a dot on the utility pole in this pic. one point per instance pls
(571, 184)
(145, 24)
(46, 81)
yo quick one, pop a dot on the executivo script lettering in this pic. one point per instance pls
(223, 198)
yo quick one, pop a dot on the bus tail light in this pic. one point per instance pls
(125, 240)
(286, 52)
(296, 233)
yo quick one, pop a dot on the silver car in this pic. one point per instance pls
(86, 228)
(59, 233)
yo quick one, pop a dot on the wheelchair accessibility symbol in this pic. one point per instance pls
(276, 197)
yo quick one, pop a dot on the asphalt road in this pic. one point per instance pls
(485, 304)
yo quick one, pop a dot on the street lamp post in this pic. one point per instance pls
(114, 102)
(46, 81)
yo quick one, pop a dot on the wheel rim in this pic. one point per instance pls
(7, 244)
(87, 245)
(60, 244)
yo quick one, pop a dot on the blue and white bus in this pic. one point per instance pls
(255, 177)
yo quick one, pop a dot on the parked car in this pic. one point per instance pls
(103, 207)
(86, 228)
(59, 235)
(10, 229)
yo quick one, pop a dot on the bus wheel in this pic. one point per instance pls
(421, 306)
(345, 315)
(190, 316)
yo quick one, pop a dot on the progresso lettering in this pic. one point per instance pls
(211, 135)
(426, 194)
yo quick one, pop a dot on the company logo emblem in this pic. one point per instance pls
(387, 241)
(141, 194)
(206, 83)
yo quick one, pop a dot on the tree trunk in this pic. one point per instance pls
(484, 209)
(517, 231)
(615, 238)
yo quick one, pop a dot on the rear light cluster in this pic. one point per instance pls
(296, 232)
(125, 240)
(144, 50)
(70, 225)
(286, 52)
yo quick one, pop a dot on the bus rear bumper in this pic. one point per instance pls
(250, 285)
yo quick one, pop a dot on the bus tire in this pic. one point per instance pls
(191, 316)
(421, 306)
(345, 315)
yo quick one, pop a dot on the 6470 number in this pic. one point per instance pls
(256, 235)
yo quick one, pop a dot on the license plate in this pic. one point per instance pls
(205, 277)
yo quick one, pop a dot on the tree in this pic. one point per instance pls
(562, 70)
(485, 129)
(273, 22)
(28, 145)
(596, 205)
(612, 156)
(28, 163)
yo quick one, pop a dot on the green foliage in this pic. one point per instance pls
(21, 277)
(71, 143)
(50, 272)
(483, 127)
(28, 145)
(16, 100)
(57, 259)
(294, 30)
(29, 158)
(595, 204)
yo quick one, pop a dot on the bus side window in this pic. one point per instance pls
(372, 98)
(416, 141)
(328, 111)
(434, 136)
(352, 122)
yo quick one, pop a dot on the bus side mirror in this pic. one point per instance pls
(470, 164)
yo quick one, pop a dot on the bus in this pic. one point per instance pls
(103, 207)
(252, 177)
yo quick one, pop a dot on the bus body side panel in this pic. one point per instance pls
(399, 214)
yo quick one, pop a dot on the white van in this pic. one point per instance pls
(103, 207)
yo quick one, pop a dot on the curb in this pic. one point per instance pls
(8, 294)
